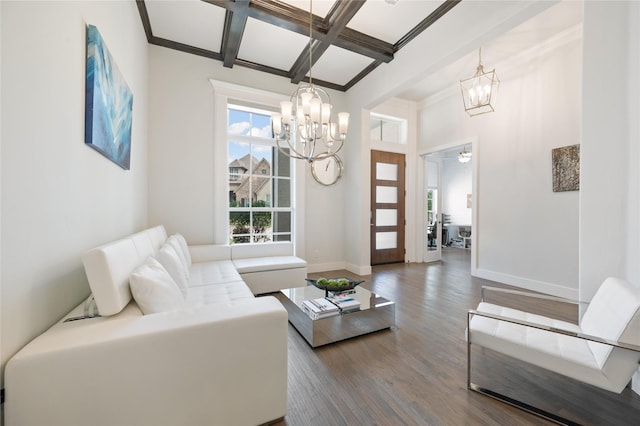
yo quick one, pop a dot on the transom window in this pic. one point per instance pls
(385, 129)
(260, 180)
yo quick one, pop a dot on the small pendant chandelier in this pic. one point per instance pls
(480, 92)
(303, 129)
(464, 156)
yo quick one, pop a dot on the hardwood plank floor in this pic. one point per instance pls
(415, 374)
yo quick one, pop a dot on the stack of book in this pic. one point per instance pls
(319, 308)
(345, 301)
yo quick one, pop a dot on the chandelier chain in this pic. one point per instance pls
(304, 129)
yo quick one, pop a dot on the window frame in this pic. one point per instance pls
(223, 93)
(252, 174)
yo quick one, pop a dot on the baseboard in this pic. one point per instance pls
(337, 266)
(359, 270)
(635, 382)
(533, 285)
(328, 266)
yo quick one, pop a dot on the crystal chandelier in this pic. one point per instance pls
(303, 129)
(480, 92)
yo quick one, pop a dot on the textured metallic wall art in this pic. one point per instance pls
(566, 168)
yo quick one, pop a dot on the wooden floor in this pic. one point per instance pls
(415, 374)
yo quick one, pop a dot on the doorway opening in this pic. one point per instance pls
(448, 201)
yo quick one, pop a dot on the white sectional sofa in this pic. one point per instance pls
(210, 353)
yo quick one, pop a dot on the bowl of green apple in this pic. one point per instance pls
(334, 284)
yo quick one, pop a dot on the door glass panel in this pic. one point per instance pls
(386, 171)
(386, 240)
(386, 194)
(386, 217)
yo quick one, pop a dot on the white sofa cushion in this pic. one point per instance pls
(144, 245)
(154, 290)
(168, 258)
(157, 235)
(173, 242)
(209, 252)
(108, 268)
(244, 251)
(218, 293)
(272, 263)
(183, 246)
(217, 271)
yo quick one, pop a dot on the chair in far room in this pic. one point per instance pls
(432, 234)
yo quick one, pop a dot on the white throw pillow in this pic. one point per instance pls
(168, 258)
(173, 242)
(185, 248)
(154, 290)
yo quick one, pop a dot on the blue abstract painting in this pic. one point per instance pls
(108, 103)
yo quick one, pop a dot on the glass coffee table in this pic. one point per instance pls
(375, 313)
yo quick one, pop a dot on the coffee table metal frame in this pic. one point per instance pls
(376, 313)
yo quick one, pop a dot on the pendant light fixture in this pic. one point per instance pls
(480, 92)
(304, 128)
(464, 156)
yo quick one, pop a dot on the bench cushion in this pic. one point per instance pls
(271, 263)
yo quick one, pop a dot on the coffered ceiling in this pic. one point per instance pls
(350, 38)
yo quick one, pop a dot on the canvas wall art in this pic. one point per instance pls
(566, 168)
(108, 103)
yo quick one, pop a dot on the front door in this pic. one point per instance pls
(387, 207)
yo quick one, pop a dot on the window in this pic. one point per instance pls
(234, 173)
(260, 181)
(385, 129)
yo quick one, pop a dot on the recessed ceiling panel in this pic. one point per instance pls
(339, 66)
(190, 22)
(390, 22)
(320, 7)
(270, 45)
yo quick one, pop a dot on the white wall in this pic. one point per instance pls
(60, 197)
(610, 149)
(182, 179)
(526, 234)
(609, 153)
(633, 180)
